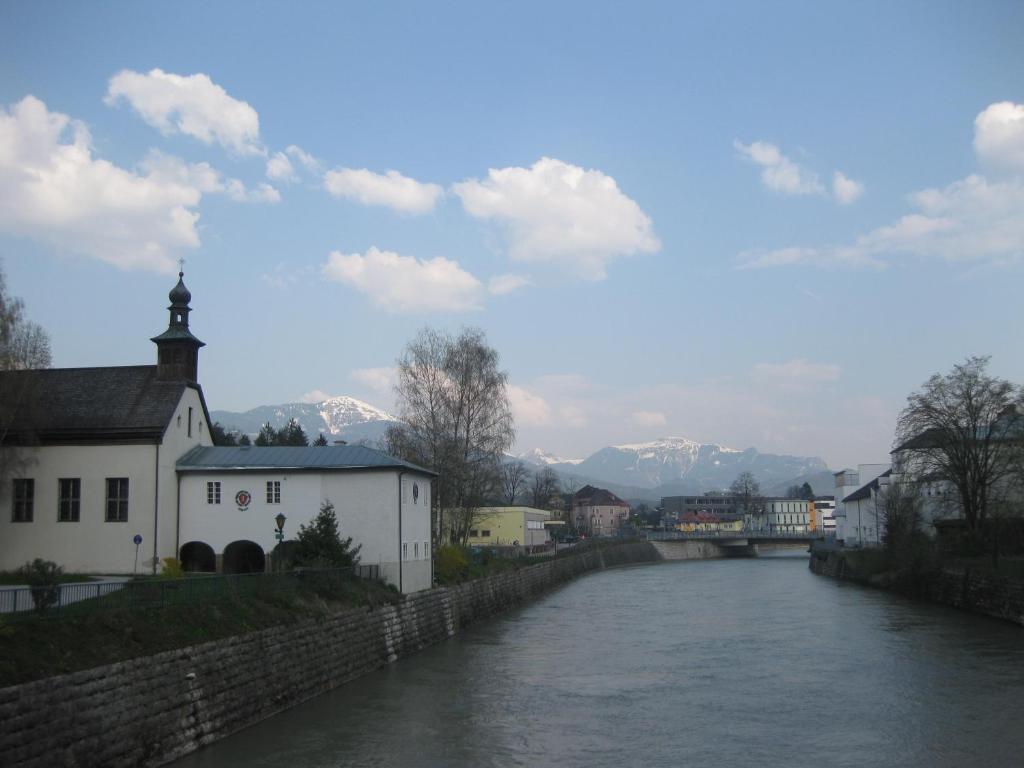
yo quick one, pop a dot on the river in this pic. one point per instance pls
(728, 662)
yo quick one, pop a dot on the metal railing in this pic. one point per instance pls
(88, 597)
(774, 535)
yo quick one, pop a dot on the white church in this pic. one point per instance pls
(110, 470)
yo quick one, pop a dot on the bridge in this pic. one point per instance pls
(681, 545)
(740, 537)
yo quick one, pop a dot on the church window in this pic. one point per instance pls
(24, 498)
(273, 491)
(117, 500)
(213, 492)
(69, 499)
(190, 421)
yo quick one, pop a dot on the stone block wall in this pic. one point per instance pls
(152, 710)
(982, 593)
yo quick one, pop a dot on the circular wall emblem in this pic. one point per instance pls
(415, 493)
(243, 499)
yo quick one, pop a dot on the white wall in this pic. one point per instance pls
(366, 503)
(92, 544)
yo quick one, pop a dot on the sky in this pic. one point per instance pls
(744, 223)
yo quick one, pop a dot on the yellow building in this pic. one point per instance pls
(510, 526)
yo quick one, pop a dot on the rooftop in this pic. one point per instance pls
(328, 457)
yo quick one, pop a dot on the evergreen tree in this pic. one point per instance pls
(243, 439)
(221, 436)
(267, 435)
(320, 545)
(292, 433)
(320, 441)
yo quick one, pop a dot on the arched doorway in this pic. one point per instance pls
(282, 556)
(243, 557)
(197, 556)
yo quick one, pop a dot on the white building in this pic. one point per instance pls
(106, 470)
(856, 511)
(825, 513)
(787, 515)
(230, 497)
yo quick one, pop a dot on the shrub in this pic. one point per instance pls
(43, 576)
(452, 564)
(172, 569)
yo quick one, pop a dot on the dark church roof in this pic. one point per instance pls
(327, 457)
(88, 404)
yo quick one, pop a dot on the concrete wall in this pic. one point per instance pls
(92, 544)
(152, 710)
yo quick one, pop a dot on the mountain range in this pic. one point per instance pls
(339, 418)
(635, 471)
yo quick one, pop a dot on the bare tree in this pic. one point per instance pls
(453, 403)
(899, 509)
(24, 348)
(747, 491)
(544, 486)
(964, 428)
(514, 477)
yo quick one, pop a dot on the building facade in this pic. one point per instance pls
(111, 470)
(598, 512)
(787, 515)
(230, 498)
(511, 526)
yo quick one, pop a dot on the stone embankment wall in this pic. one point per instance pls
(969, 591)
(152, 710)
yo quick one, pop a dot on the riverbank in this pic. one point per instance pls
(151, 710)
(963, 588)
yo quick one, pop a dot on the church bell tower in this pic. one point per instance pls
(177, 348)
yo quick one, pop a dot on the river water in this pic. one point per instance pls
(727, 662)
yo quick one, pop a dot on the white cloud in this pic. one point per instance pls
(845, 190)
(316, 396)
(972, 219)
(406, 284)
(561, 213)
(53, 189)
(797, 371)
(168, 169)
(502, 284)
(202, 176)
(377, 379)
(261, 193)
(304, 159)
(778, 172)
(191, 104)
(648, 419)
(279, 168)
(564, 382)
(999, 137)
(392, 189)
(528, 408)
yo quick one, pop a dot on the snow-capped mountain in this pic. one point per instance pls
(545, 458)
(338, 417)
(676, 464)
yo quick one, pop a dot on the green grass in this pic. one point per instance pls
(10, 578)
(94, 633)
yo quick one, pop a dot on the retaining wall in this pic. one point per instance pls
(152, 710)
(967, 590)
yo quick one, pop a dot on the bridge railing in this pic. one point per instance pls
(773, 535)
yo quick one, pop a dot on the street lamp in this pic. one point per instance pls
(279, 533)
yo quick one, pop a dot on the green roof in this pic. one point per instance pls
(328, 457)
